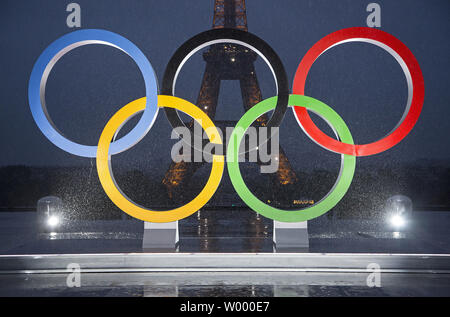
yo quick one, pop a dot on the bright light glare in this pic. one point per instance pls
(53, 221)
(397, 221)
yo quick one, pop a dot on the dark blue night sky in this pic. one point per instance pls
(361, 82)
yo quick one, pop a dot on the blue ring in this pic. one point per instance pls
(64, 44)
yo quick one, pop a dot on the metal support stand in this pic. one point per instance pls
(290, 236)
(160, 237)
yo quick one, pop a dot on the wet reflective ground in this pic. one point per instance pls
(230, 231)
(227, 231)
(225, 284)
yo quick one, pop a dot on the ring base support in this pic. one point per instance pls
(160, 237)
(290, 236)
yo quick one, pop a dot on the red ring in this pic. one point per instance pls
(418, 92)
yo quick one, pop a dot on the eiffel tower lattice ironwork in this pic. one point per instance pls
(226, 62)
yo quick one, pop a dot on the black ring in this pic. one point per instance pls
(224, 35)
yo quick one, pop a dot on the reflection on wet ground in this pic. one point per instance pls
(230, 231)
(225, 284)
(227, 231)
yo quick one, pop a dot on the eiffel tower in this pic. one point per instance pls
(226, 62)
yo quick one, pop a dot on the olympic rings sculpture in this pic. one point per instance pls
(300, 104)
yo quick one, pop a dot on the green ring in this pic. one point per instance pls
(339, 189)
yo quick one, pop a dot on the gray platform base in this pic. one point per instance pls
(160, 237)
(290, 236)
(225, 262)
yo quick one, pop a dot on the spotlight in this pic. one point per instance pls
(397, 221)
(53, 221)
(49, 212)
(398, 210)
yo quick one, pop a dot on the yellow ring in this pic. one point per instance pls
(104, 161)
